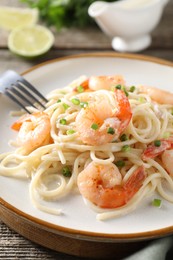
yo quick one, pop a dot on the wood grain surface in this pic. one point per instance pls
(69, 42)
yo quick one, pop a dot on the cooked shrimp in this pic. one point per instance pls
(17, 124)
(109, 121)
(34, 130)
(105, 82)
(158, 95)
(166, 152)
(102, 82)
(153, 150)
(103, 185)
(167, 159)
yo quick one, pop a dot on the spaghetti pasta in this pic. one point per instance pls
(82, 125)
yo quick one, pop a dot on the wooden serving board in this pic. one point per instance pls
(69, 245)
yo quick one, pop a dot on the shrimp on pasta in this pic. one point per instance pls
(101, 123)
(33, 130)
(103, 185)
(109, 141)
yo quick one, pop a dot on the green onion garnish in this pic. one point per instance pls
(157, 143)
(125, 91)
(156, 203)
(75, 101)
(123, 137)
(66, 171)
(84, 104)
(94, 126)
(70, 132)
(132, 88)
(118, 87)
(63, 121)
(120, 163)
(65, 106)
(80, 89)
(125, 148)
(59, 100)
(111, 131)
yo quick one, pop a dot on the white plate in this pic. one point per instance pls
(146, 221)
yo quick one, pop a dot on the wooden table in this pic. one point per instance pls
(69, 42)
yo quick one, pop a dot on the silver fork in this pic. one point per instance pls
(21, 91)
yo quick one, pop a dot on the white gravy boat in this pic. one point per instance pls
(128, 22)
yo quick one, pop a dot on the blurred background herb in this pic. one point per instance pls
(64, 13)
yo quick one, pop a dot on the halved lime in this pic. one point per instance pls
(13, 17)
(30, 41)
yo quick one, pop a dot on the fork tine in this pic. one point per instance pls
(12, 97)
(28, 85)
(23, 90)
(13, 89)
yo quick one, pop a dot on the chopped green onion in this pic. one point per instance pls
(120, 163)
(132, 88)
(80, 89)
(111, 131)
(157, 203)
(157, 143)
(94, 126)
(65, 106)
(125, 148)
(63, 121)
(59, 100)
(123, 137)
(70, 132)
(118, 87)
(84, 104)
(125, 91)
(66, 171)
(75, 101)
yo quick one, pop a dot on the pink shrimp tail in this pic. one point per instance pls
(134, 183)
(153, 151)
(17, 124)
(121, 194)
(124, 112)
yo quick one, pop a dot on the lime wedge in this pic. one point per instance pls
(30, 41)
(13, 17)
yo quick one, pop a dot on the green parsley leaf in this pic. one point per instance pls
(64, 13)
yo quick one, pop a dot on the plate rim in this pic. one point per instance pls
(130, 56)
(82, 234)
